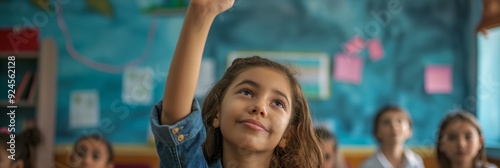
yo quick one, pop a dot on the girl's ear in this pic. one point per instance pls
(377, 136)
(441, 147)
(481, 142)
(411, 132)
(18, 164)
(216, 121)
(284, 140)
(282, 143)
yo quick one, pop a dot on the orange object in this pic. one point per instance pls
(491, 15)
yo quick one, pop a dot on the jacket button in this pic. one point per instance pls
(175, 130)
(180, 138)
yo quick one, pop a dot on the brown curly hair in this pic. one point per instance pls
(302, 149)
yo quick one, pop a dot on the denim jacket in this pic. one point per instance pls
(179, 145)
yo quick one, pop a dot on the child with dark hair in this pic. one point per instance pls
(392, 127)
(92, 151)
(24, 145)
(329, 145)
(256, 115)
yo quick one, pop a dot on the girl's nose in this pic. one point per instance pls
(87, 160)
(259, 107)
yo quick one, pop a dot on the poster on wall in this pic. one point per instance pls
(84, 109)
(312, 67)
(138, 86)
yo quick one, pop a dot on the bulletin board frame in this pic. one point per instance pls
(312, 67)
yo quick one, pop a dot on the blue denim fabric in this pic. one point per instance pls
(183, 152)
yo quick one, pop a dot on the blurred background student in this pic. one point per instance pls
(392, 128)
(329, 145)
(24, 146)
(92, 151)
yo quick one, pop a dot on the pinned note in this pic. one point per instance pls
(354, 46)
(375, 49)
(438, 79)
(138, 86)
(84, 109)
(348, 68)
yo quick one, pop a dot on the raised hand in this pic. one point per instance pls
(211, 7)
(185, 66)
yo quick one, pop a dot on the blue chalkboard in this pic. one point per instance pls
(413, 35)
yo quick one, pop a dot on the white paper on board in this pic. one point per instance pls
(84, 109)
(138, 86)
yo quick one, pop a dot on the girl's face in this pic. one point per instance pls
(5, 162)
(90, 153)
(460, 142)
(255, 110)
(393, 127)
(329, 154)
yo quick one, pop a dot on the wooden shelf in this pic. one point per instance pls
(19, 104)
(20, 55)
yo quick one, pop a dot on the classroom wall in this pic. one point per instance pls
(95, 49)
(413, 36)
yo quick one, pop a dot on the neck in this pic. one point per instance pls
(462, 164)
(394, 153)
(234, 156)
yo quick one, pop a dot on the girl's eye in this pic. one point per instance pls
(279, 104)
(81, 153)
(386, 122)
(468, 136)
(96, 156)
(452, 137)
(246, 93)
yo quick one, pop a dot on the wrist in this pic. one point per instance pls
(200, 13)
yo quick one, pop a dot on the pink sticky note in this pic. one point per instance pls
(438, 79)
(348, 68)
(375, 49)
(355, 45)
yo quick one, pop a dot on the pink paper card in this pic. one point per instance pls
(438, 79)
(375, 49)
(348, 68)
(355, 45)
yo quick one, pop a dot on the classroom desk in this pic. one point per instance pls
(126, 156)
(137, 156)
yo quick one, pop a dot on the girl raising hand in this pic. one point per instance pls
(255, 116)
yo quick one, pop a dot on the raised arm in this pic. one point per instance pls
(185, 66)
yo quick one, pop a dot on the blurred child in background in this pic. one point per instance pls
(460, 142)
(92, 151)
(392, 127)
(24, 145)
(329, 146)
